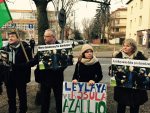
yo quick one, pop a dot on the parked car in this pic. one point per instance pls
(80, 42)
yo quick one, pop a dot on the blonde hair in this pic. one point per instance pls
(132, 43)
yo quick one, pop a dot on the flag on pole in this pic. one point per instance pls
(1, 43)
(4, 17)
(4, 13)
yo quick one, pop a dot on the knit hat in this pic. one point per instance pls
(86, 47)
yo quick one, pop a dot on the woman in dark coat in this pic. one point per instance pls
(127, 96)
(88, 68)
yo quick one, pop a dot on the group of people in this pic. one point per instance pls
(87, 69)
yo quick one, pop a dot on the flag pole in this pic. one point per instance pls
(23, 49)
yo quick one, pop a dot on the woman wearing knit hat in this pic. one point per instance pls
(88, 68)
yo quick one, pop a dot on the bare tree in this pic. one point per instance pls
(42, 20)
(86, 28)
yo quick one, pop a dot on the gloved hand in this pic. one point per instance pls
(75, 81)
(91, 82)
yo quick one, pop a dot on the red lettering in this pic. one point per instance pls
(85, 97)
(72, 95)
(92, 95)
(103, 97)
(96, 97)
(79, 96)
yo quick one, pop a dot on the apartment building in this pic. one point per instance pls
(138, 21)
(26, 20)
(117, 28)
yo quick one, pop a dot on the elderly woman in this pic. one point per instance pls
(127, 96)
(88, 68)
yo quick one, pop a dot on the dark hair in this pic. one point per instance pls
(13, 33)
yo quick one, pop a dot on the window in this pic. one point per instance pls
(130, 24)
(131, 9)
(117, 21)
(117, 30)
(141, 4)
(140, 20)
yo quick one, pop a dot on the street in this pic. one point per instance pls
(68, 73)
(105, 63)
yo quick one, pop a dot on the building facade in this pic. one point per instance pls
(138, 21)
(26, 21)
(117, 26)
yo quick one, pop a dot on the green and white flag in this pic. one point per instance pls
(1, 43)
(4, 13)
(4, 17)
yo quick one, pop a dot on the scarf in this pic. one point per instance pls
(124, 55)
(13, 52)
(92, 61)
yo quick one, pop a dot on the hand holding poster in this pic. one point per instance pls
(130, 73)
(55, 56)
(82, 98)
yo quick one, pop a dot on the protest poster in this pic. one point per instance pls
(130, 73)
(55, 56)
(82, 98)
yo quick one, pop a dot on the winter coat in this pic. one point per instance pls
(84, 73)
(32, 43)
(19, 72)
(128, 96)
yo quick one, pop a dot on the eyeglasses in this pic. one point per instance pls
(48, 36)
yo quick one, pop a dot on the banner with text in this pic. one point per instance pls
(130, 73)
(55, 56)
(82, 98)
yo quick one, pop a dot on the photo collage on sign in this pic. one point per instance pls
(130, 74)
(55, 56)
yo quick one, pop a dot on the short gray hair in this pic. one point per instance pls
(131, 42)
(52, 31)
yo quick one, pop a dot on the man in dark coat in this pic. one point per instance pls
(32, 44)
(51, 78)
(18, 74)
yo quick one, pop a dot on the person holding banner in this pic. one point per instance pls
(129, 96)
(17, 73)
(32, 44)
(50, 78)
(88, 68)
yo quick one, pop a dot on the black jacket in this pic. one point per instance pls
(20, 72)
(84, 73)
(127, 96)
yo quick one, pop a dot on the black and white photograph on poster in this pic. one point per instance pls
(130, 73)
(55, 56)
(4, 58)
